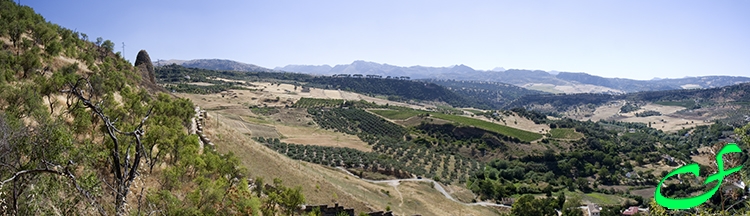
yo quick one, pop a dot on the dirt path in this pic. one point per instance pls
(436, 185)
(400, 196)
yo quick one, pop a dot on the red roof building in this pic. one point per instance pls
(631, 211)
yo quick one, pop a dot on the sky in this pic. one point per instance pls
(639, 39)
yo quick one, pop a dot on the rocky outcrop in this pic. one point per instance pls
(148, 75)
(144, 65)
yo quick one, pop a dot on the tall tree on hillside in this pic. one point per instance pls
(125, 160)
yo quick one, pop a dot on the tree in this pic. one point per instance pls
(560, 200)
(571, 207)
(583, 184)
(30, 61)
(292, 198)
(258, 186)
(604, 176)
(656, 209)
(528, 205)
(107, 46)
(99, 41)
(524, 206)
(124, 160)
(548, 191)
(26, 154)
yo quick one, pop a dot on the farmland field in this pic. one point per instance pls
(565, 133)
(684, 103)
(501, 129)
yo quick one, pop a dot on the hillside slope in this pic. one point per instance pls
(84, 133)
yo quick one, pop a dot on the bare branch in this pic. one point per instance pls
(66, 173)
(125, 171)
(25, 172)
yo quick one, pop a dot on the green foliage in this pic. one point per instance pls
(690, 104)
(603, 155)
(49, 140)
(331, 103)
(394, 154)
(565, 133)
(316, 102)
(333, 156)
(264, 110)
(629, 107)
(523, 135)
(199, 89)
(528, 205)
(494, 93)
(571, 207)
(280, 196)
(355, 121)
(648, 113)
(560, 200)
(397, 114)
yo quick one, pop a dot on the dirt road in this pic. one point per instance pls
(435, 184)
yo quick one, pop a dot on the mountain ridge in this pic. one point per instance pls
(552, 81)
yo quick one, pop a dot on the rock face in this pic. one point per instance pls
(144, 65)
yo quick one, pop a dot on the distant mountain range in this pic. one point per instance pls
(554, 81)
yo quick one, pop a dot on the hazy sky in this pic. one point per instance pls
(629, 39)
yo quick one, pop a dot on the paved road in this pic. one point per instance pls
(437, 186)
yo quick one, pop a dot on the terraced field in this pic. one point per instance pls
(523, 135)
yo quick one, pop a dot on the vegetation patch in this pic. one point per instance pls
(398, 114)
(648, 113)
(523, 135)
(565, 133)
(316, 102)
(603, 199)
(629, 107)
(690, 104)
(266, 111)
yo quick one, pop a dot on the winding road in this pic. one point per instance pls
(437, 186)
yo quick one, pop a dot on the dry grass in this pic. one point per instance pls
(670, 120)
(416, 120)
(264, 94)
(421, 198)
(321, 185)
(460, 193)
(705, 157)
(657, 168)
(317, 136)
(645, 193)
(244, 127)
